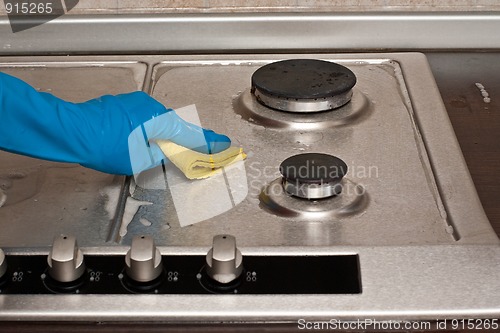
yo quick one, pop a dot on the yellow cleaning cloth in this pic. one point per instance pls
(196, 165)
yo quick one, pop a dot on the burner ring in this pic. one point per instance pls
(303, 85)
(357, 110)
(312, 191)
(303, 105)
(313, 175)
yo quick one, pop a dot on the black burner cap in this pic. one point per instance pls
(313, 168)
(303, 79)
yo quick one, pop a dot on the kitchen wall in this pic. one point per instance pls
(167, 6)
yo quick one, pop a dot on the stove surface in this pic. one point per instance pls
(376, 134)
(382, 146)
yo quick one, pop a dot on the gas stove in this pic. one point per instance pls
(353, 202)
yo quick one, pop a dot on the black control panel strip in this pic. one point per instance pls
(339, 274)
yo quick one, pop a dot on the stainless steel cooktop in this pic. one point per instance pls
(408, 209)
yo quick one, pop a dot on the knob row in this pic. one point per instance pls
(143, 262)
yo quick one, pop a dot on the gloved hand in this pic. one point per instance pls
(113, 134)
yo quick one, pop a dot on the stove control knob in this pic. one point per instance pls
(224, 260)
(3, 264)
(65, 260)
(143, 260)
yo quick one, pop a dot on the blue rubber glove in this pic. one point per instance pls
(112, 134)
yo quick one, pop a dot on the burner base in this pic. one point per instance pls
(251, 110)
(352, 201)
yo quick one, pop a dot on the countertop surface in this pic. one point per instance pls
(476, 122)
